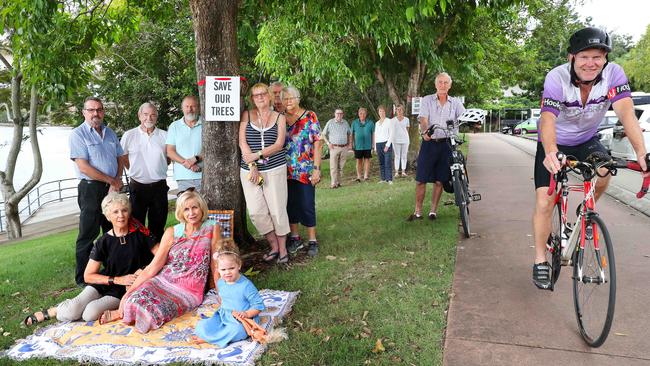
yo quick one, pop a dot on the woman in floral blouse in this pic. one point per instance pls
(303, 169)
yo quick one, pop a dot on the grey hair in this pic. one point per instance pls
(291, 90)
(443, 74)
(145, 105)
(276, 83)
(115, 197)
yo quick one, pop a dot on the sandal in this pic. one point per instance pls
(33, 318)
(283, 260)
(270, 256)
(542, 276)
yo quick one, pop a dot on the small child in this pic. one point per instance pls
(238, 295)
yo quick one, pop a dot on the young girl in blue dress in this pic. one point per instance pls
(238, 295)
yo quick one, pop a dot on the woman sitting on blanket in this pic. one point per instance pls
(121, 252)
(239, 300)
(174, 282)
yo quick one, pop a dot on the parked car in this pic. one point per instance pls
(529, 125)
(620, 146)
(606, 129)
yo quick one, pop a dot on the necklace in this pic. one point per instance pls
(262, 124)
(121, 238)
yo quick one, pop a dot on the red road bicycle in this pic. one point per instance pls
(586, 244)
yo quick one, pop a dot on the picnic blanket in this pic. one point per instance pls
(118, 344)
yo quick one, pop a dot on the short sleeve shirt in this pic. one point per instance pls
(300, 140)
(101, 152)
(187, 141)
(337, 132)
(575, 123)
(119, 259)
(438, 114)
(363, 134)
(147, 154)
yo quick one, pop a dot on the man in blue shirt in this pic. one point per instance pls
(96, 152)
(184, 146)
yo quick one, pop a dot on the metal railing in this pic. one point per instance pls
(54, 191)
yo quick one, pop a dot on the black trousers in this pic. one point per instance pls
(91, 194)
(150, 201)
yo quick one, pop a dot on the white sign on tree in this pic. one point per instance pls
(222, 98)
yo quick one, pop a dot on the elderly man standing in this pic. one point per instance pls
(433, 159)
(97, 152)
(184, 145)
(146, 160)
(276, 88)
(338, 137)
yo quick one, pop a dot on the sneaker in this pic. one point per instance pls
(542, 276)
(390, 182)
(294, 245)
(413, 217)
(312, 250)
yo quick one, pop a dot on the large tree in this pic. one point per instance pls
(636, 63)
(51, 44)
(215, 32)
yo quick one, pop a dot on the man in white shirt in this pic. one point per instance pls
(146, 160)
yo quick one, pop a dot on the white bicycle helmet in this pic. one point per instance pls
(473, 115)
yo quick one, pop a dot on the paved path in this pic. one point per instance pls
(497, 316)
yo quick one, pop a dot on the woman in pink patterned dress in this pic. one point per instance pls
(174, 282)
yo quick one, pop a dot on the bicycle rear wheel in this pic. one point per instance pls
(594, 283)
(554, 244)
(461, 193)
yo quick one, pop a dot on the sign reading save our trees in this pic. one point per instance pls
(222, 98)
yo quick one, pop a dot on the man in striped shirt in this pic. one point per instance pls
(338, 136)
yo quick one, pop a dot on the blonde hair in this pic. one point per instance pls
(113, 198)
(182, 201)
(227, 247)
(260, 86)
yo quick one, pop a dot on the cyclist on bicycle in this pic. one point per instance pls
(576, 96)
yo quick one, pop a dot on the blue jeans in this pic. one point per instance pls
(385, 161)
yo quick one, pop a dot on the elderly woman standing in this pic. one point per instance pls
(384, 132)
(303, 167)
(264, 171)
(122, 251)
(174, 282)
(401, 140)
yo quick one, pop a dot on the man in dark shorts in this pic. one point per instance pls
(363, 140)
(435, 153)
(576, 96)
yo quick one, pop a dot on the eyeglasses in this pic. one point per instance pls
(290, 98)
(260, 95)
(93, 110)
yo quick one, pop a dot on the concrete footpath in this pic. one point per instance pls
(497, 316)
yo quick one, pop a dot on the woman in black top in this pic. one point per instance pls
(114, 262)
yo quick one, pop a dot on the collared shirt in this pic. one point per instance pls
(187, 141)
(576, 124)
(300, 140)
(363, 134)
(147, 154)
(337, 132)
(438, 114)
(101, 152)
(384, 131)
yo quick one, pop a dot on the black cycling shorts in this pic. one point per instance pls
(581, 152)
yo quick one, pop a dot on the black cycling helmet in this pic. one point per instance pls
(587, 38)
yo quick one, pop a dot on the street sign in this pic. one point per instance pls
(222, 98)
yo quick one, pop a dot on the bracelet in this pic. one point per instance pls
(252, 165)
(261, 155)
(198, 158)
(111, 280)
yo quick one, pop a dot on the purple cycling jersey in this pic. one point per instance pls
(576, 124)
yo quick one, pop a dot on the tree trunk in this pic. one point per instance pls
(215, 31)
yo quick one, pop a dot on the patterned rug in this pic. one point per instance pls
(119, 344)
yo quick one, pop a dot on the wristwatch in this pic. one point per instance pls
(198, 158)
(316, 167)
(111, 280)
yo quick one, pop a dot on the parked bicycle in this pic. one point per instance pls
(586, 244)
(459, 177)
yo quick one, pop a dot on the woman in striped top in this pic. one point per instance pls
(263, 171)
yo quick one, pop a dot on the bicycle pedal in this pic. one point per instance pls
(476, 197)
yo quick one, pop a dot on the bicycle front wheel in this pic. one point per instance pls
(594, 283)
(461, 194)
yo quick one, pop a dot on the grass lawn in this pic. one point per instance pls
(377, 277)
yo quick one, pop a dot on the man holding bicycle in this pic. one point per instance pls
(435, 153)
(576, 96)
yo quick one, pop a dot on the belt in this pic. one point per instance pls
(135, 183)
(444, 139)
(90, 181)
(337, 145)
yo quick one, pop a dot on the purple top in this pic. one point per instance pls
(576, 124)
